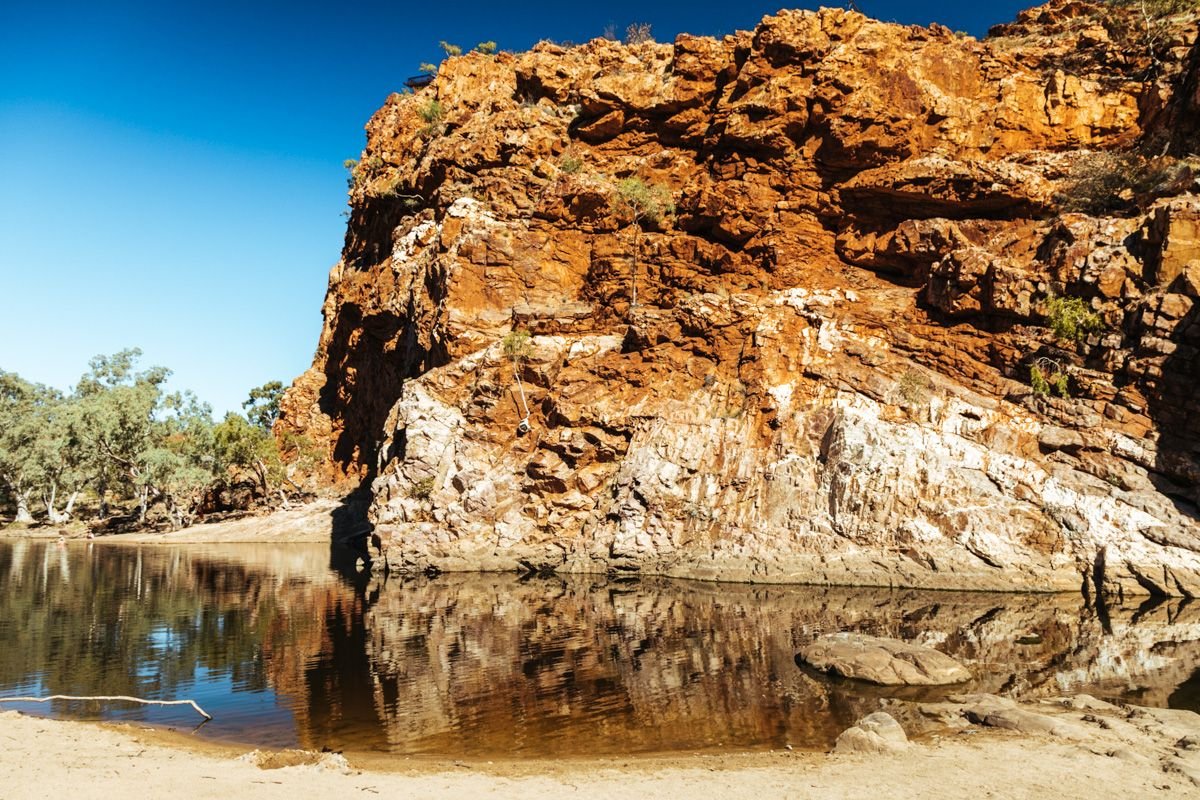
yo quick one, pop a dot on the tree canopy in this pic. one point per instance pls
(120, 436)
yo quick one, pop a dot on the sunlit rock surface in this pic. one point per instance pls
(826, 378)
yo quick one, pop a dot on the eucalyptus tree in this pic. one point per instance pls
(21, 410)
(180, 464)
(59, 462)
(262, 407)
(117, 406)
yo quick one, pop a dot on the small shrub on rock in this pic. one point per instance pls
(1114, 182)
(1047, 376)
(914, 388)
(1070, 318)
(638, 33)
(433, 114)
(516, 345)
(570, 163)
(422, 489)
(642, 202)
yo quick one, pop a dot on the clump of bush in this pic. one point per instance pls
(433, 114)
(1110, 182)
(1046, 376)
(450, 50)
(641, 202)
(351, 165)
(1071, 318)
(570, 163)
(432, 111)
(487, 48)
(422, 489)
(914, 388)
(516, 345)
(638, 33)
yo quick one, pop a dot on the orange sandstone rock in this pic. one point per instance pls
(825, 376)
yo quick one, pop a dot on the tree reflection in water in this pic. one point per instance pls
(284, 651)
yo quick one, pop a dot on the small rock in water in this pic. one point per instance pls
(889, 662)
(874, 733)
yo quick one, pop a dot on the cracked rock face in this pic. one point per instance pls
(826, 376)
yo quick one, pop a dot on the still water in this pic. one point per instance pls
(288, 646)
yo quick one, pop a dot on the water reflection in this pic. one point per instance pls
(285, 651)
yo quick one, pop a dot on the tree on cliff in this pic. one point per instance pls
(638, 203)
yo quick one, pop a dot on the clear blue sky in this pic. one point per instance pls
(170, 172)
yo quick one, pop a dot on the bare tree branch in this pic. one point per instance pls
(123, 698)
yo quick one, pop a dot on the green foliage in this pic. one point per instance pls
(433, 114)
(1046, 376)
(638, 33)
(262, 408)
(1070, 318)
(638, 201)
(180, 463)
(487, 48)
(570, 163)
(244, 445)
(451, 50)
(24, 410)
(432, 111)
(351, 165)
(118, 435)
(427, 68)
(516, 345)
(422, 489)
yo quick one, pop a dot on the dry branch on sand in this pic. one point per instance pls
(124, 698)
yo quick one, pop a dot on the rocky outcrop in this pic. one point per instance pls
(826, 377)
(1166, 738)
(875, 659)
(875, 733)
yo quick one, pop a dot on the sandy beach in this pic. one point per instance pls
(1081, 753)
(308, 523)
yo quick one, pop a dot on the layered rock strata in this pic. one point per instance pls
(827, 373)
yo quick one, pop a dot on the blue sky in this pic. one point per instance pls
(170, 172)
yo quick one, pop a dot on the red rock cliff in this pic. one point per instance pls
(827, 373)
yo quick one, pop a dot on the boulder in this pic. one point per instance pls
(889, 662)
(874, 733)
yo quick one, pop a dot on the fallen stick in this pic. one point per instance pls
(125, 698)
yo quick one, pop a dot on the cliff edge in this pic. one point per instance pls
(830, 301)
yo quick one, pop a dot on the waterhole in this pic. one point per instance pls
(290, 646)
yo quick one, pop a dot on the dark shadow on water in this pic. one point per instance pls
(349, 537)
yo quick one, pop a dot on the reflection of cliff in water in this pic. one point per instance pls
(496, 665)
(490, 664)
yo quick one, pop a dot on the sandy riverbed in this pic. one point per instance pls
(309, 523)
(41, 758)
